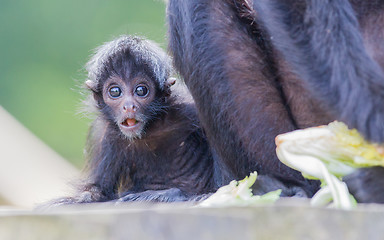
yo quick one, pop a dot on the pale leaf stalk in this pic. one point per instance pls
(239, 193)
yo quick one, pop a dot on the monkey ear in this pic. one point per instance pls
(91, 85)
(170, 81)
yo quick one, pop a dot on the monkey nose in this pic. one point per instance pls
(129, 108)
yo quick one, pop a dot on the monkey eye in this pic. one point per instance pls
(114, 92)
(141, 91)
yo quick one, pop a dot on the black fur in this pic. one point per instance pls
(324, 42)
(260, 68)
(228, 66)
(366, 184)
(338, 49)
(175, 155)
(170, 160)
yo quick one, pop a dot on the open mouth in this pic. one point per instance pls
(130, 123)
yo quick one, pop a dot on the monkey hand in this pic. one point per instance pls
(366, 184)
(167, 195)
(266, 184)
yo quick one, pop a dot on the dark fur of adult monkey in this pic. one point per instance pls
(257, 69)
(337, 47)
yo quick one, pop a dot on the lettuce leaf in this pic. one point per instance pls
(328, 153)
(239, 193)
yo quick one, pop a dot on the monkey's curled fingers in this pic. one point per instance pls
(168, 195)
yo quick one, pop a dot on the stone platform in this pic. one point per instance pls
(288, 219)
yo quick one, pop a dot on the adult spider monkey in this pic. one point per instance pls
(260, 68)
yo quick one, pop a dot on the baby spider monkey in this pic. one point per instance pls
(145, 143)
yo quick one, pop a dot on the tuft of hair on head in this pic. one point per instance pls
(142, 50)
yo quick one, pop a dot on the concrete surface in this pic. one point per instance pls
(288, 219)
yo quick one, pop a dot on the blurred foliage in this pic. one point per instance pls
(44, 46)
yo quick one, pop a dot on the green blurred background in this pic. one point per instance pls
(44, 46)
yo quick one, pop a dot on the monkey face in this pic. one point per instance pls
(127, 101)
